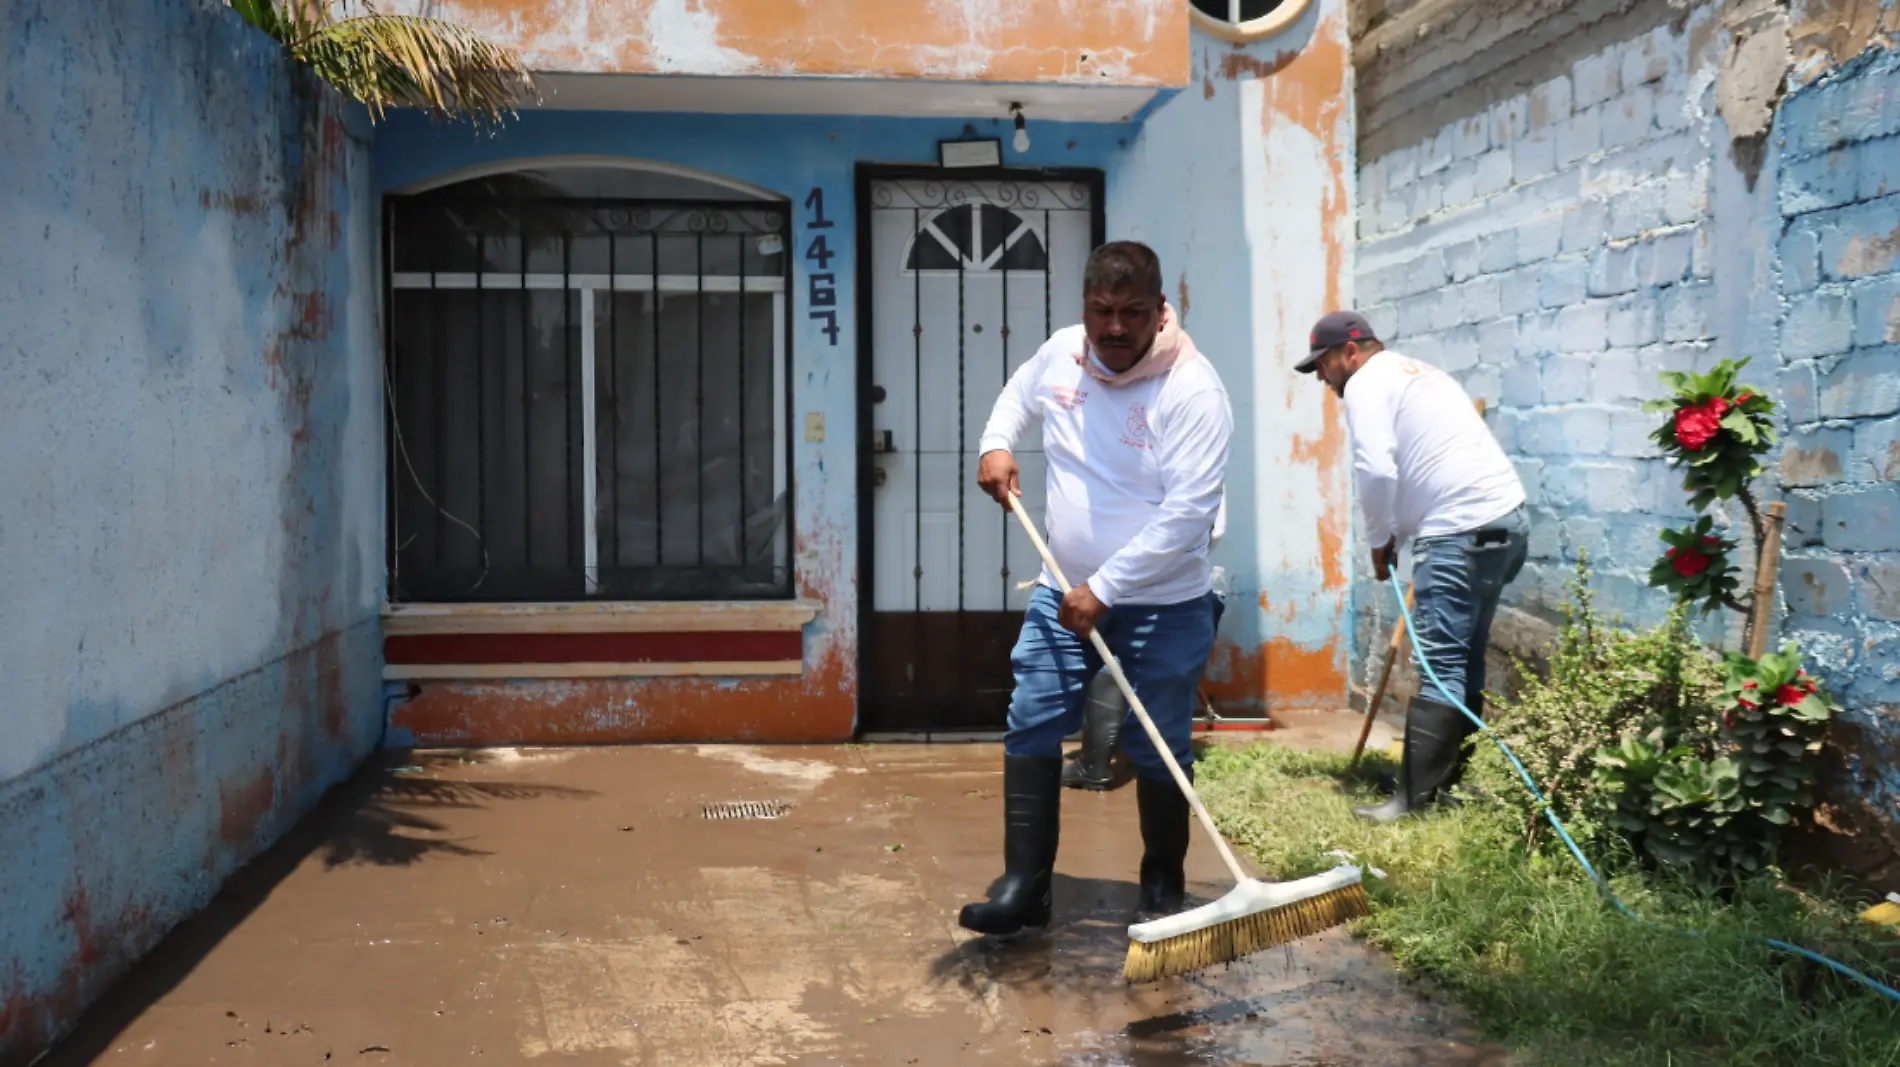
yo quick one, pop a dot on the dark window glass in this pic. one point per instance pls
(504, 286)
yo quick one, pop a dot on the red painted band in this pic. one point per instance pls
(723, 647)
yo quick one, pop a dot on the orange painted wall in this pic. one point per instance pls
(1107, 42)
(1243, 187)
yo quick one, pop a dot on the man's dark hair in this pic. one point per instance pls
(1120, 264)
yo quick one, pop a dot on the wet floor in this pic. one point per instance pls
(579, 907)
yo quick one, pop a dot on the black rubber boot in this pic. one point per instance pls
(1032, 798)
(1102, 718)
(1164, 837)
(1433, 733)
(1448, 792)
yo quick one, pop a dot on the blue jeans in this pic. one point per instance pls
(1456, 582)
(1163, 650)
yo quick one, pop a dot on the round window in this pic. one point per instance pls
(1245, 20)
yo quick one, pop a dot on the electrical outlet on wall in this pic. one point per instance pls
(814, 426)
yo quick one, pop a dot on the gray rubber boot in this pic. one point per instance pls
(1102, 717)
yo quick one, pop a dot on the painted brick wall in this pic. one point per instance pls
(1552, 249)
(1559, 215)
(191, 502)
(1838, 191)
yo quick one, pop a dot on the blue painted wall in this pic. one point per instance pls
(794, 157)
(1838, 192)
(192, 503)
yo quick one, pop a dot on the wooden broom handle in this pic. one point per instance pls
(1378, 693)
(1134, 702)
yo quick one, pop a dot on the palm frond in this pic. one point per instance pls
(389, 61)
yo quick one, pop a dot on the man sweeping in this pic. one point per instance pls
(1135, 429)
(1429, 471)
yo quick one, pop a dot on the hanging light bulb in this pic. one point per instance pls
(1022, 131)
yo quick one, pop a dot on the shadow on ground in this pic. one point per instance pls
(378, 816)
(388, 822)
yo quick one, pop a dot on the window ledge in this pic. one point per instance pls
(618, 617)
(471, 672)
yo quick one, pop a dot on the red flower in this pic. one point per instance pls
(1743, 399)
(1751, 684)
(1711, 540)
(1697, 424)
(1688, 564)
(1728, 719)
(1790, 695)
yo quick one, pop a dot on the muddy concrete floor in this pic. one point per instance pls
(579, 907)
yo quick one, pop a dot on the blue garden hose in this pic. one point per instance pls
(1418, 653)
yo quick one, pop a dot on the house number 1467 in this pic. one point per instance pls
(820, 293)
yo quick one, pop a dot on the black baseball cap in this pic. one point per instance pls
(1333, 329)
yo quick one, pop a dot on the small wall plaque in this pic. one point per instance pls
(985, 153)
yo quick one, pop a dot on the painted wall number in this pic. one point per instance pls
(820, 294)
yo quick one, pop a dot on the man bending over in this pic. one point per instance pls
(1429, 470)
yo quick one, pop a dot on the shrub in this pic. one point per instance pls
(1602, 683)
(1645, 743)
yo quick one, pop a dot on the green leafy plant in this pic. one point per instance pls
(1649, 746)
(1697, 567)
(1599, 682)
(1777, 724)
(1716, 808)
(386, 61)
(1717, 430)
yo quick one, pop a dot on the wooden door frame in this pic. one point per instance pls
(1096, 181)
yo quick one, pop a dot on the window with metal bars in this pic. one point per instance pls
(588, 390)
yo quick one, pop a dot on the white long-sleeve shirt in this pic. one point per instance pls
(1136, 473)
(1427, 465)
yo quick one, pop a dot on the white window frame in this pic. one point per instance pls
(1245, 31)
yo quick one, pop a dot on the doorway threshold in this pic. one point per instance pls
(931, 737)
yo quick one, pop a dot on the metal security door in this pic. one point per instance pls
(968, 278)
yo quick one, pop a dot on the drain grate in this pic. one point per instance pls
(747, 809)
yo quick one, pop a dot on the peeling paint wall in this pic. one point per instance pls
(1107, 42)
(1560, 200)
(191, 507)
(1243, 186)
(1264, 139)
(791, 157)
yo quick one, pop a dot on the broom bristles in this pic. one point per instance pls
(1235, 939)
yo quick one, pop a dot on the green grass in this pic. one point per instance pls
(1546, 966)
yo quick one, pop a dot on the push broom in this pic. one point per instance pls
(1254, 915)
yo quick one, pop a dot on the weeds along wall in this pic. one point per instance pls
(1559, 201)
(192, 507)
